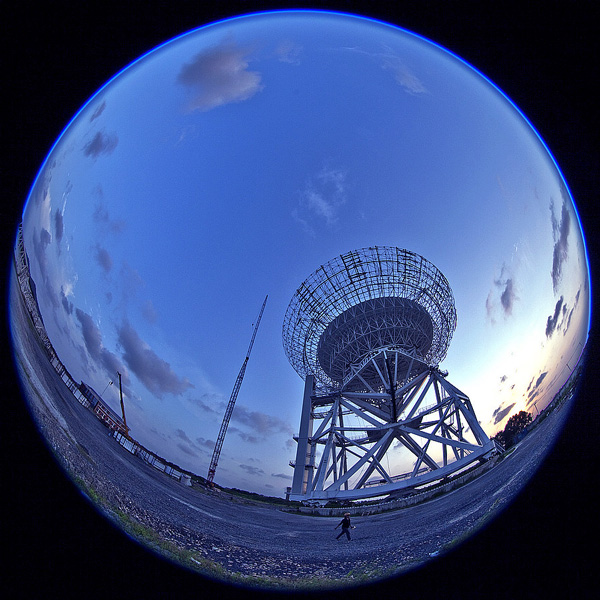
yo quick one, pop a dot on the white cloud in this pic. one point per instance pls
(503, 295)
(321, 206)
(403, 75)
(149, 312)
(401, 72)
(255, 471)
(560, 233)
(101, 217)
(321, 200)
(101, 356)
(289, 52)
(103, 258)
(258, 421)
(154, 372)
(219, 76)
(101, 144)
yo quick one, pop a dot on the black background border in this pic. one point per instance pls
(543, 55)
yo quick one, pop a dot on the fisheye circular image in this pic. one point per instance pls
(299, 301)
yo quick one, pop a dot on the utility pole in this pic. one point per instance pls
(231, 404)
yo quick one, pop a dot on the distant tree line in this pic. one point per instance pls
(513, 431)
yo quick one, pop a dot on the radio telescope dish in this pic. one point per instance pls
(367, 332)
(364, 300)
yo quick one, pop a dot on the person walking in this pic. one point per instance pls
(346, 526)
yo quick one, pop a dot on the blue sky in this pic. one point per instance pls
(231, 163)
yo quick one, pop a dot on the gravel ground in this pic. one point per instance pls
(245, 541)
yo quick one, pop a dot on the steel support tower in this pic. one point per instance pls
(230, 405)
(367, 332)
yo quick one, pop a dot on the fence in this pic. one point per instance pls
(137, 450)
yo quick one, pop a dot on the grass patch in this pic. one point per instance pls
(89, 491)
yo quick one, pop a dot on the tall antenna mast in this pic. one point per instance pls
(232, 399)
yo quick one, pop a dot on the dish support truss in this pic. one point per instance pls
(358, 444)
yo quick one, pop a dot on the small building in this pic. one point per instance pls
(104, 412)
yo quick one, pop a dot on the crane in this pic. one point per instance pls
(122, 405)
(231, 404)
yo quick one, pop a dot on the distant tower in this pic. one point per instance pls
(367, 332)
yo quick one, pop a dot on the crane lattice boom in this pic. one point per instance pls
(231, 404)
